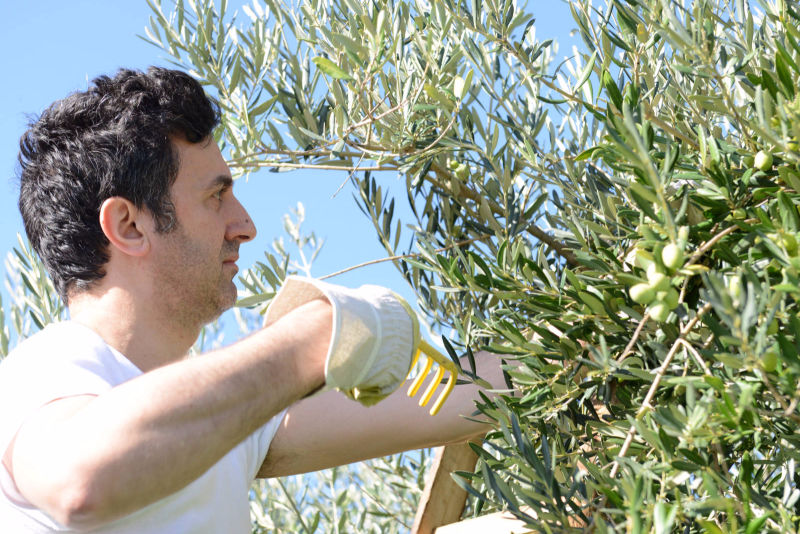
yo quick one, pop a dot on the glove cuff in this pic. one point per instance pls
(373, 338)
(355, 329)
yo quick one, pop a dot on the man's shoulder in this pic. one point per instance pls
(54, 338)
(68, 344)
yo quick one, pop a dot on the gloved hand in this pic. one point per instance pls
(373, 338)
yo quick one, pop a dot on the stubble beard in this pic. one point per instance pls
(197, 293)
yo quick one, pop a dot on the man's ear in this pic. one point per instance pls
(122, 223)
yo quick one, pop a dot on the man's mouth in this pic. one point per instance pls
(231, 262)
(233, 255)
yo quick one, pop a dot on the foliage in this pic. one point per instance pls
(263, 280)
(34, 301)
(622, 224)
(378, 496)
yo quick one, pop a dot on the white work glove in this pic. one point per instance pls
(373, 339)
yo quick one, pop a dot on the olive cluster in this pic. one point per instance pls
(658, 293)
(461, 170)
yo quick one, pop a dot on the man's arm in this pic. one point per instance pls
(329, 429)
(88, 460)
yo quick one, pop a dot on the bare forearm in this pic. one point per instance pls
(150, 437)
(330, 430)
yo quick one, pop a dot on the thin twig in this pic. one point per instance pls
(688, 346)
(264, 150)
(444, 132)
(537, 232)
(405, 256)
(786, 411)
(713, 241)
(646, 406)
(792, 405)
(297, 511)
(349, 176)
(286, 165)
(562, 251)
(632, 342)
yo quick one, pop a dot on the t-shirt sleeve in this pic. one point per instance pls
(61, 361)
(28, 388)
(259, 441)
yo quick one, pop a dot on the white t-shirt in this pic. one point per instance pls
(68, 359)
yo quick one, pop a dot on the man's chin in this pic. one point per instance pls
(226, 301)
(229, 299)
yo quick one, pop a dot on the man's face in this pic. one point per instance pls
(195, 262)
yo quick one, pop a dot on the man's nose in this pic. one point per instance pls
(241, 228)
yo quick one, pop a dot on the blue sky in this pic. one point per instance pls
(52, 47)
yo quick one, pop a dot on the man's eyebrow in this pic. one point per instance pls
(224, 180)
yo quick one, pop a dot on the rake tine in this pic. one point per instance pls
(415, 385)
(451, 382)
(426, 398)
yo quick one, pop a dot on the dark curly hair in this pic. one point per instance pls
(113, 139)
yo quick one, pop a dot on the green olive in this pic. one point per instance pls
(642, 293)
(772, 328)
(659, 312)
(672, 256)
(769, 360)
(669, 297)
(739, 213)
(763, 160)
(641, 33)
(643, 258)
(462, 172)
(658, 281)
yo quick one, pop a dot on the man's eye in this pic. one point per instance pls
(218, 195)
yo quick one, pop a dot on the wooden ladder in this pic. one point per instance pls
(443, 500)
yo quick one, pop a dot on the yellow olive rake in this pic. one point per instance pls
(444, 364)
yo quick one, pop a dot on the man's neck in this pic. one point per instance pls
(134, 327)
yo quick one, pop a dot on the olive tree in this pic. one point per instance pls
(620, 226)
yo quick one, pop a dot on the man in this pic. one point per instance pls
(106, 425)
